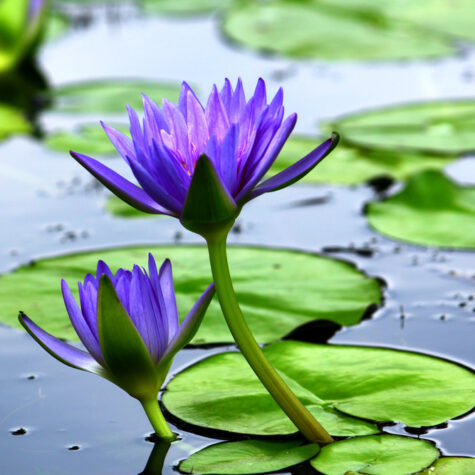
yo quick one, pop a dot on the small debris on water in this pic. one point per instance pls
(74, 447)
(19, 431)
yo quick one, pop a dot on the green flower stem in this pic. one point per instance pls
(157, 420)
(270, 378)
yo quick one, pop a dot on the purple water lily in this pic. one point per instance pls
(128, 323)
(241, 138)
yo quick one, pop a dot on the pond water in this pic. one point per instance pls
(75, 423)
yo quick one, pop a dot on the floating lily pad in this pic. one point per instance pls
(443, 127)
(110, 96)
(248, 457)
(451, 466)
(431, 210)
(334, 382)
(12, 122)
(351, 165)
(278, 290)
(375, 455)
(120, 208)
(358, 29)
(186, 7)
(89, 139)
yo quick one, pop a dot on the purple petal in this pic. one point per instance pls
(228, 163)
(183, 99)
(103, 268)
(260, 95)
(271, 154)
(166, 286)
(124, 189)
(121, 142)
(84, 332)
(135, 130)
(216, 116)
(296, 171)
(197, 126)
(226, 95)
(238, 102)
(88, 300)
(62, 351)
(190, 325)
(179, 131)
(154, 189)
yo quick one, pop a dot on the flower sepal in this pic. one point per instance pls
(209, 208)
(128, 361)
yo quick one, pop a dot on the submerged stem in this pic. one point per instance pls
(157, 420)
(295, 410)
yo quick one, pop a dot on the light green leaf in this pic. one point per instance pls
(110, 96)
(278, 290)
(248, 457)
(442, 127)
(12, 122)
(451, 466)
(334, 382)
(185, 7)
(89, 139)
(431, 210)
(355, 29)
(375, 455)
(351, 165)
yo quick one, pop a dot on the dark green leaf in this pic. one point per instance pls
(435, 212)
(248, 457)
(334, 382)
(291, 288)
(375, 455)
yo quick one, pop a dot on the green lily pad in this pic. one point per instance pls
(110, 96)
(117, 207)
(357, 29)
(349, 165)
(451, 466)
(12, 122)
(248, 457)
(430, 210)
(89, 139)
(336, 383)
(185, 7)
(278, 290)
(375, 455)
(442, 127)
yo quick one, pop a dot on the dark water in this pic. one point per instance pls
(76, 423)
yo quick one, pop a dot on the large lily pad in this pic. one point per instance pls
(443, 127)
(12, 122)
(110, 96)
(89, 139)
(278, 290)
(356, 29)
(451, 466)
(431, 210)
(248, 457)
(185, 7)
(351, 165)
(334, 382)
(375, 455)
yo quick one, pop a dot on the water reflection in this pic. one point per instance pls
(157, 456)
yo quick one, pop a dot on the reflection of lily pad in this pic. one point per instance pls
(187, 7)
(110, 96)
(438, 127)
(352, 165)
(117, 207)
(451, 466)
(89, 139)
(248, 457)
(279, 290)
(431, 210)
(358, 29)
(334, 382)
(12, 122)
(375, 454)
